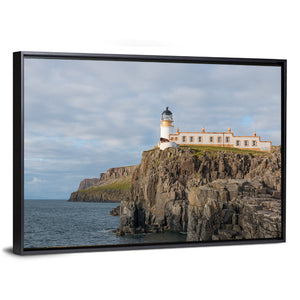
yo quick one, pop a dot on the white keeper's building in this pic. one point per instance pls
(220, 139)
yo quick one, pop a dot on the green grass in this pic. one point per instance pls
(199, 150)
(150, 150)
(121, 184)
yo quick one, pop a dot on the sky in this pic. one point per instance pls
(83, 117)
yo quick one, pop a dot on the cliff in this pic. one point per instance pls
(216, 194)
(112, 186)
(87, 183)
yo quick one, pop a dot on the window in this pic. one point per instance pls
(227, 139)
(246, 143)
(176, 138)
(171, 139)
(253, 143)
(191, 139)
(199, 139)
(183, 138)
(219, 139)
(211, 139)
(238, 143)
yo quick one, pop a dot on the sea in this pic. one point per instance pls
(60, 223)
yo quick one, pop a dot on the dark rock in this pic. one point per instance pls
(116, 211)
(120, 232)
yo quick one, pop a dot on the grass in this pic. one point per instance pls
(150, 150)
(121, 184)
(199, 150)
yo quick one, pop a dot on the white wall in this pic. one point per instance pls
(163, 146)
(165, 131)
(205, 140)
(264, 29)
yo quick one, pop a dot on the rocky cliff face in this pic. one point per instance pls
(111, 186)
(115, 173)
(211, 196)
(101, 195)
(87, 183)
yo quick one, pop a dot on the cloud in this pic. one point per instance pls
(83, 117)
(34, 180)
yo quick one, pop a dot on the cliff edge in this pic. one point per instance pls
(112, 186)
(212, 194)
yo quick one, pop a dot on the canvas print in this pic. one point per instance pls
(129, 152)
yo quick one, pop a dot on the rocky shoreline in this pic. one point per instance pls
(218, 195)
(103, 195)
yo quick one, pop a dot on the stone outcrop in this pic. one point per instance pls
(114, 174)
(233, 209)
(87, 183)
(112, 186)
(116, 211)
(218, 195)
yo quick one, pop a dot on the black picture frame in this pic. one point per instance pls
(18, 145)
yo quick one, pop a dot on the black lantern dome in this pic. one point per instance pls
(167, 114)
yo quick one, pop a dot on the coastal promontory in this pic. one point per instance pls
(112, 186)
(207, 193)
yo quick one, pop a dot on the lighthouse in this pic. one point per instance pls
(166, 128)
(166, 124)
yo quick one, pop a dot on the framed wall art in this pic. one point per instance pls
(116, 152)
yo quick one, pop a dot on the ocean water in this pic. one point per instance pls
(59, 223)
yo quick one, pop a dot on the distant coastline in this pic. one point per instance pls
(112, 186)
(46, 199)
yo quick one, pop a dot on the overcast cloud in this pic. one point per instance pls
(84, 117)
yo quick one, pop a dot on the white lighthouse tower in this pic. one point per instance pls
(166, 128)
